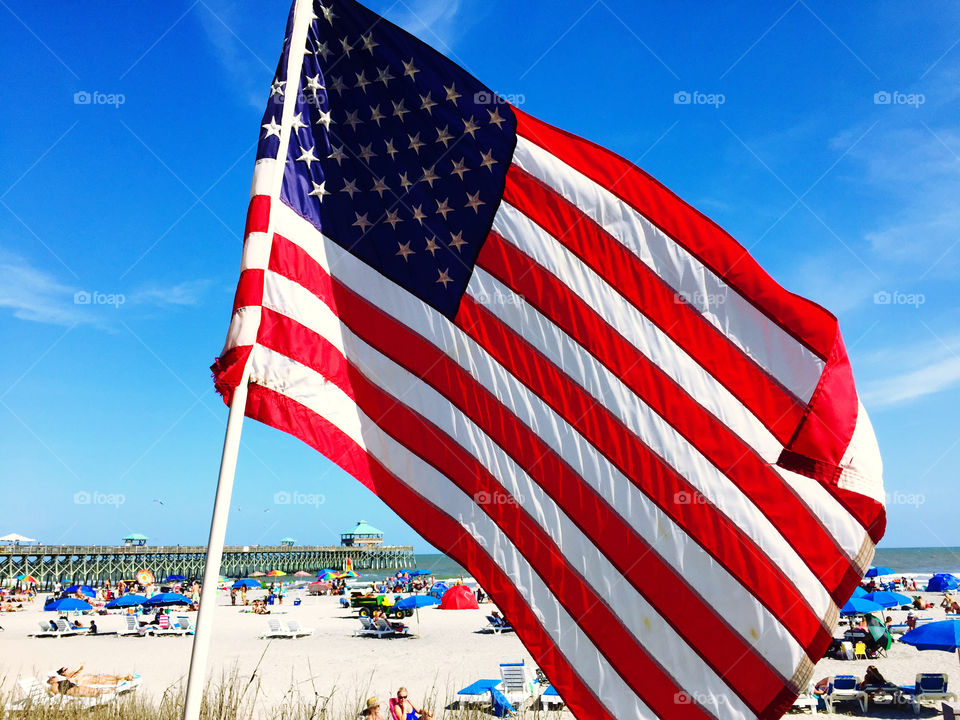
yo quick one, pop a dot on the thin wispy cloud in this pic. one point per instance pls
(922, 369)
(437, 22)
(37, 295)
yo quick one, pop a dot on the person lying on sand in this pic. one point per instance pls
(78, 684)
(402, 709)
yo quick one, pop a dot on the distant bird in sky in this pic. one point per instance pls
(158, 501)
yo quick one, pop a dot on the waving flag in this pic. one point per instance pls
(649, 453)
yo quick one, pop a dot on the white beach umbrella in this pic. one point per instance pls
(15, 538)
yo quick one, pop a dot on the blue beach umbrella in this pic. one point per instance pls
(126, 601)
(879, 571)
(941, 582)
(67, 605)
(860, 606)
(164, 599)
(247, 582)
(417, 601)
(175, 578)
(82, 589)
(859, 592)
(942, 635)
(422, 572)
(887, 599)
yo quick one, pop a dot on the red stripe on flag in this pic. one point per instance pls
(249, 289)
(258, 215)
(778, 409)
(436, 527)
(735, 459)
(714, 532)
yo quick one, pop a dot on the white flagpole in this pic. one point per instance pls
(196, 679)
(302, 18)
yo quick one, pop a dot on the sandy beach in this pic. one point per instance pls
(449, 653)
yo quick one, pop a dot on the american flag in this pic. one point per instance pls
(649, 454)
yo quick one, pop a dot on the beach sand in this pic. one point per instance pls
(449, 654)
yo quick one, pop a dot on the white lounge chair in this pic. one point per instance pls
(806, 700)
(517, 684)
(842, 688)
(47, 631)
(294, 627)
(132, 627)
(378, 629)
(37, 695)
(275, 631)
(497, 625)
(477, 693)
(930, 690)
(550, 699)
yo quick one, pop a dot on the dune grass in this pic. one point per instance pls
(233, 697)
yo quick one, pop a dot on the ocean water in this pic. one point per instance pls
(443, 568)
(919, 561)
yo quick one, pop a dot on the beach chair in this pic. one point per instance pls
(36, 695)
(275, 631)
(842, 688)
(66, 629)
(550, 699)
(497, 625)
(184, 622)
(931, 688)
(132, 627)
(382, 625)
(806, 700)
(516, 684)
(477, 693)
(46, 631)
(294, 627)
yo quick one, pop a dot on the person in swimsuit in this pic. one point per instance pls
(80, 684)
(402, 709)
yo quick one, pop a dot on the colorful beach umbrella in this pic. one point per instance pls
(27, 579)
(68, 605)
(164, 599)
(257, 573)
(276, 573)
(879, 571)
(126, 601)
(860, 606)
(301, 573)
(144, 577)
(327, 575)
(888, 599)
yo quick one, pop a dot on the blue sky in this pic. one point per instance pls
(135, 202)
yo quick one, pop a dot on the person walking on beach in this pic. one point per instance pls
(401, 708)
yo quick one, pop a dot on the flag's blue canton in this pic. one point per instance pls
(396, 153)
(269, 144)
